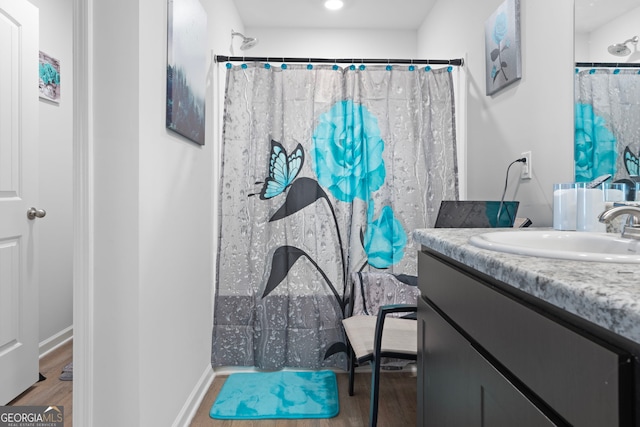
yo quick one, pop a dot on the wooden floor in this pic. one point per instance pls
(397, 398)
(52, 391)
(397, 405)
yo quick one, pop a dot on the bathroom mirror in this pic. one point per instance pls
(607, 89)
(603, 23)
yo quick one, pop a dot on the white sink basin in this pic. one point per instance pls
(571, 245)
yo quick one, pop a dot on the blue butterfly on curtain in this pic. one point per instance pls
(282, 169)
(631, 162)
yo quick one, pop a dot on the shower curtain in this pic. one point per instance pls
(325, 171)
(607, 120)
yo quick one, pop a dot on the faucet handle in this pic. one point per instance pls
(631, 229)
(633, 220)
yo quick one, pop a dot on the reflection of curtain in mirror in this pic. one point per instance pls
(325, 171)
(607, 120)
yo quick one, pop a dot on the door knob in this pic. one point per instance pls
(34, 213)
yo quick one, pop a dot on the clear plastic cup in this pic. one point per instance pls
(565, 198)
(590, 204)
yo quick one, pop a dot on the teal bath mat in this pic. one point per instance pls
(282, 394)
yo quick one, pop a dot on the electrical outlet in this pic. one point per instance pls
(527, 170)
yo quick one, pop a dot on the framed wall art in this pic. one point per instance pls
(186, 68)
(502, 46)
(49, 81)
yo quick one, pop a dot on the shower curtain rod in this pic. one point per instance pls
(222, 58)
(607, 65)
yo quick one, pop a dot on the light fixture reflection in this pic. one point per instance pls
(333, 4)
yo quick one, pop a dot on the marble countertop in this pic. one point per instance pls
(606, 294)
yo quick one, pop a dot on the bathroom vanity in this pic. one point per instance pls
(513, 340)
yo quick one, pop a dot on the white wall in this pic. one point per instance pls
(535, 113)
(581, 47)
(592, 47)
(154, 215)
(55, 173)
(116, 86)
(330, 43)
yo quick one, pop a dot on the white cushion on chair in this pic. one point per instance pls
(399, 335)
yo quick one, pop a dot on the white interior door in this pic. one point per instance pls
(18, 193)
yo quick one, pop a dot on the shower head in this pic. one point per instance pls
(621, 49)
(247, 42)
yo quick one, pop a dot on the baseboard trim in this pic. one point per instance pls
(195, 398)
(55, 341)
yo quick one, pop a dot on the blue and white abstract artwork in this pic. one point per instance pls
(186, 68)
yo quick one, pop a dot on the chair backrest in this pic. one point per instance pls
(371, 290)
(476, 214)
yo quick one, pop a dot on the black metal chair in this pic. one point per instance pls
(372, 337)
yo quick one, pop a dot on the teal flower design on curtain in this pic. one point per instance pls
(385, 238)
(347, 152)
(595, 145)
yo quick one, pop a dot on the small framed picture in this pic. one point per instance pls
(502, 46)
(49, 84)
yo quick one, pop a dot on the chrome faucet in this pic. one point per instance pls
(631, 229)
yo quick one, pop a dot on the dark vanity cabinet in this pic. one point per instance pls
(491, 356)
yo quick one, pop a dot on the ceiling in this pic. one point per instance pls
(390, 15)
(360, 14)
(591, 14)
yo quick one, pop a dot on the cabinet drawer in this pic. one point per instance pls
(581, 379)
